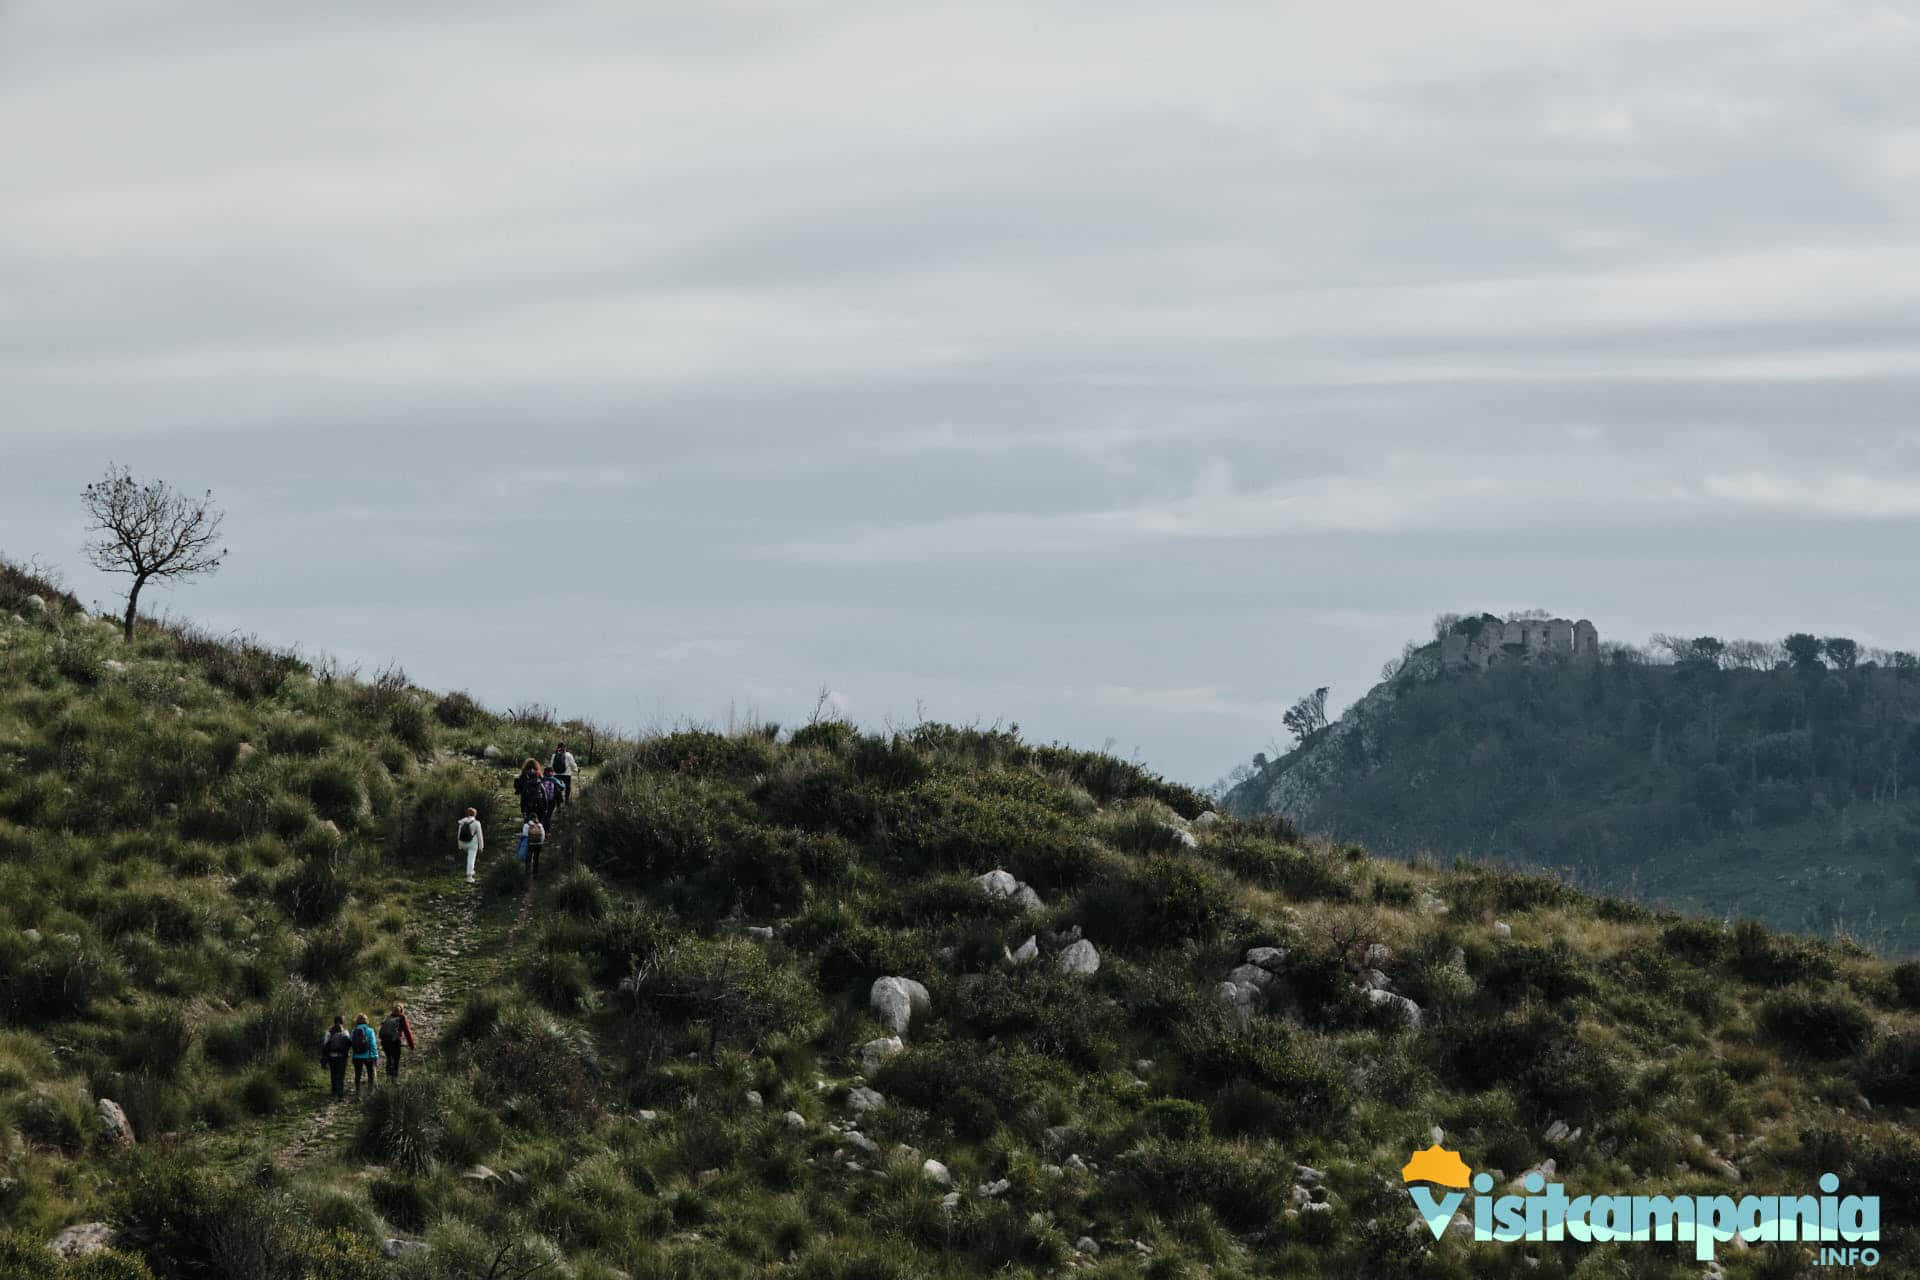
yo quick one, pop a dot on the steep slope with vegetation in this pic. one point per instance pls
(680, 1061)
(1789, 793)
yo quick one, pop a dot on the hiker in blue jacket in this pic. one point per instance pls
(366, 1052)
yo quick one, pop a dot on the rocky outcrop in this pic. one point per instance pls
(896, 1000)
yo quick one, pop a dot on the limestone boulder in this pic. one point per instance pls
(1081, 958)
(997, 884)
(82, 1239)
(1409, 1011)
(1268, 958)
(113, 1122)
(874, 1053)
(896, 1000)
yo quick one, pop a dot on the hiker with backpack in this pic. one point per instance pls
(564, 767)
(552, 796)
(471, 836)
(527, 787)
(336, 1047)
(533, 839)
(395, 1030)
(366, 1052)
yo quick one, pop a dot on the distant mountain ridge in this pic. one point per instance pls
(1770, 780)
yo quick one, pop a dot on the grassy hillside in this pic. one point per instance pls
(1789, 796)
(664, 1060)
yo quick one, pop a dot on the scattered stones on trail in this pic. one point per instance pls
(896, 1000)
(35, 604)
(1408, 1009)
(113, 1120)
(395, 1247)
(83, 1239)
(1557, 1131)
(864, 1099)
(1308, 1176)
(1268, 958)
(854, 1138)
(997, 883)
(481, 1173)
(950, 1201)
(1236, 995)
(1080, 958)
(244, 750)
(999, 1188)
(1207, 819)
(1087, 1246)
(1374, 980)
(648, 1116)
(1028, 950)
(113, 666)
(1182, 835)
(1378, 955)
(754, 1100)
(1251, 975)
(1502, 930)
(875, 1052)
(760, 932)
(935, 1172)
(795, 1120)
(491, 752)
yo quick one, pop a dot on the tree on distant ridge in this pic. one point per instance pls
(1308, 716)
(1845, 653)
(1803, 651)
(150, 531)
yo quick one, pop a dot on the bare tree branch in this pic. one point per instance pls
(149, 531)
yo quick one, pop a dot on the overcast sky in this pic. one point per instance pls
(1119, 369)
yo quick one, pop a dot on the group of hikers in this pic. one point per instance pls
(543, 790)
(364, 1047)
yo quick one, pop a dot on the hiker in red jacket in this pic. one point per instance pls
(393, 1032)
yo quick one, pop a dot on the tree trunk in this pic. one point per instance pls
(133, 602)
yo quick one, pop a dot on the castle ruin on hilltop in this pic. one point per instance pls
(1474, 644)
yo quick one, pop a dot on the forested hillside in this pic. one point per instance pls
(1785, 789)
(829, 1005)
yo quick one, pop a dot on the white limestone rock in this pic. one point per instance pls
(1081, 958)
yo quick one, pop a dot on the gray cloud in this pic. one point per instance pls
(1122, 369)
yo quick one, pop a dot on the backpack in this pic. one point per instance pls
(536, 834)
(363, 1038)
(466, 830)
(550, 792)
(390, 1034)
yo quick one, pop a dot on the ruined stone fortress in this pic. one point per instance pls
(1474, 644)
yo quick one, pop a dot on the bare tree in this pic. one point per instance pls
(150, 531)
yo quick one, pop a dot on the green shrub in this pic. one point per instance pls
(1294, 871)
(313, 892)
(1164, 903)
(1175, 1118)
(327, 956)
(57, 978)
(261, 1094)
(1776, 961)
(403, 1123)
(578, 893)
(1140, 831)
(1516, 971)
(1906, 983)
(1891, 1072)
(1246, 1189)
(557, 980)
(1700, 941)
(1217, 1052)
(459, 710)
(1817, 1026)
(57, 1116)
(405, 1202)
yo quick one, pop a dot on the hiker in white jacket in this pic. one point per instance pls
(472, 835)
(564, 766)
